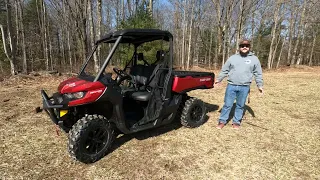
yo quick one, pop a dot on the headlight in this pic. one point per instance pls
(76, 95)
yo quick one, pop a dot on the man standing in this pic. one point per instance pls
(240, 68)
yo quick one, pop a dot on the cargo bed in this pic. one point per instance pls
(184, 81)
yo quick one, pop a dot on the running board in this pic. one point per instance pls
(136, 127)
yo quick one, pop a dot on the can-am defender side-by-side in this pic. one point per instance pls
(93, 109)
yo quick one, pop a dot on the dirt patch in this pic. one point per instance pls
(279, 138)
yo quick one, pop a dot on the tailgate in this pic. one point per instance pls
(184, 81)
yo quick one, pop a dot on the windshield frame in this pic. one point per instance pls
(106, 62)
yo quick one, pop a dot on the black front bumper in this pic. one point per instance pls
(52, 110)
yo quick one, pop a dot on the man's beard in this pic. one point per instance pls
(244, 54)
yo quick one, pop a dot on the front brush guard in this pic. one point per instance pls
(49, 108)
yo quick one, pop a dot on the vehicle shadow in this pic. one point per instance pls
(142, 135)
(145, 134)
(211, 107)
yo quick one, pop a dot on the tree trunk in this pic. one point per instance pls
(44, 30)
(12, 65)
(210, 48)
(150, 8)
(118, 15)
(122, 8)
(280, 54)
(12, 40)
(177, 21)
(23, 45)
(291, 34)
(183, 34)
(52, 62)
(303, 51)
(129, 8)
(84, 37)
(273, 33)
(252, 31)
(69, 44)
(303, 48)
(300, 29)
(190, 36)
(92, 39)
(218, 38)
(17, 23)
(228, 34)
(39, 16)
(312, 48)
(276, 47)
(62, 39)
(239, 29)
(98, 30)
(226, 31)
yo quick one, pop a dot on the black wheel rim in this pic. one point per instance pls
(96, 140)
(196, 113)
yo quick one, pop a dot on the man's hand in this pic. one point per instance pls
(260, 90)
(217, 84)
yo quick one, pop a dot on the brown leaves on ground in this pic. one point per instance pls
(278, 139)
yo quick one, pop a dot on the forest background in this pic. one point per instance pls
(59, 34)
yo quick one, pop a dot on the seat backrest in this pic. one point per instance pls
(159, 73)
(159, 56)
(153, 74)
(140, 56)
(141, 73)
(137, 70)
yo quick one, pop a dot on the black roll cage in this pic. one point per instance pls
(133, 36)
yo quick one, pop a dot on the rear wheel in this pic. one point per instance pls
(193, 113)
(90, 138)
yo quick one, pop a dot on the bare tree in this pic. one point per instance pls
(300, 31)
(92, 35)
(273, 34)
(312, 48)
(185, 26)
(10, 53)
(291, 30)
(240, 22)
(190, 34)
(280, 54)
(98, 29)
(22, 32)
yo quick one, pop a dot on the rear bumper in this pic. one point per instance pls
(52, 110)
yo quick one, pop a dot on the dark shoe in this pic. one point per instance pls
(236, 126)
(220, 125)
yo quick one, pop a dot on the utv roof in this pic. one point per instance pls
(136, 36)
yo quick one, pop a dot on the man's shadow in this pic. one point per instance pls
(244, 115)
(145, 134)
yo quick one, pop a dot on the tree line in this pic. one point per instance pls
(59, 34)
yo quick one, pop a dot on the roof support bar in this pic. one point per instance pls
(108, 58)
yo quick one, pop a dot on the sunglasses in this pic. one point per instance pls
(244, 45)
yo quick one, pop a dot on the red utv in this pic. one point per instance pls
(94, 108)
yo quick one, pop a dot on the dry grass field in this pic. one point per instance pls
(279, 137)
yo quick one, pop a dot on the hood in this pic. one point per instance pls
(76, 84)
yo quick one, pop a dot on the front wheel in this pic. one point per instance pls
(90, 138)
(193, 113)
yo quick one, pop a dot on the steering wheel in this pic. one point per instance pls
(120, 72)
(122, 75)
